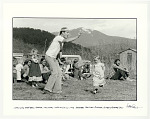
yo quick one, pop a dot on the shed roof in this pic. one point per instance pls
(134, 50)
(18, 54)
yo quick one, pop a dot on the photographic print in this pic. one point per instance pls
(74, 59)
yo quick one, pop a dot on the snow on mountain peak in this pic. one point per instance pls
(84, 30)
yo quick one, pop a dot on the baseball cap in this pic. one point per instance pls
(64, 29)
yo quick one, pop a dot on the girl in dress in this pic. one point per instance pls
(98, 74)
(34, 72)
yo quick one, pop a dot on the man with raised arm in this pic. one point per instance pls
(52, 56)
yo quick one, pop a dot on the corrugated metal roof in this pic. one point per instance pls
(128, 49)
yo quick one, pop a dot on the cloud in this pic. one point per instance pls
(114, 27)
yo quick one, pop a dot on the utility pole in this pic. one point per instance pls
(45, 46)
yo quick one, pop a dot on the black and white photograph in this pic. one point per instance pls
(74, 59)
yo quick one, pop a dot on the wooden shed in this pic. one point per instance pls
(128, 59)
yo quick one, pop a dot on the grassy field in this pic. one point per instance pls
(78, 90)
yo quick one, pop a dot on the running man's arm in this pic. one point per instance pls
(72, 39)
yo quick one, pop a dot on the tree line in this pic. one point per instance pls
(24, 39)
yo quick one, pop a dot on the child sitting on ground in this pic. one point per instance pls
(64, 69)
(98, 74)
(26, 66)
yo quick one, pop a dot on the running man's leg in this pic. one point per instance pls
(54, 74)
(57, 86)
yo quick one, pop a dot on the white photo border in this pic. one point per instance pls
(10, 11)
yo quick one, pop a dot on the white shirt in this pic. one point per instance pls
(54, 48)
(99, 70)
(19, 67)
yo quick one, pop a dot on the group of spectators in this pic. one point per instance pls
(81, 70)
(22, 70)
(33, 70)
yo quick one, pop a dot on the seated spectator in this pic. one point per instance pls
(64, 66)
(86, 68)
(77, 73)
(19, 69)
(44, 70)
(26, 66)
(86, 71)
(67, 67)
(15, 62)
(120, 73)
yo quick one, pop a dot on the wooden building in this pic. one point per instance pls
(128, 59)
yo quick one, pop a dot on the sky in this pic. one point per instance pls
(113, 27)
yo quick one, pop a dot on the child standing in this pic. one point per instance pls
(98, 74)
(34, 72)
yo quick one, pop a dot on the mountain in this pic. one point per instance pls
(91, 43)
(92, 38)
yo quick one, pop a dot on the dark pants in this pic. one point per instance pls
(118, 74)
(24, 79)
(45, 76)
(14, 77)
(77, 74)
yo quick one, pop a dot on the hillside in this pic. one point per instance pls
(91, 42)
(24, 39)
(92, 38)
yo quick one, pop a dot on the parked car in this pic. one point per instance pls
(83, 63)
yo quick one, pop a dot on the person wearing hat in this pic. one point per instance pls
(52, 57)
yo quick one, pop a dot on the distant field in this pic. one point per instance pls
(78, 90)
